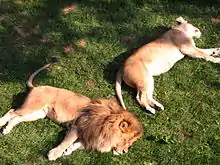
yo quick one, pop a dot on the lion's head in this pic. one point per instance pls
(187, 28)
(106, 126)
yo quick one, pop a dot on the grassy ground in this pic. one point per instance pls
(91, 43)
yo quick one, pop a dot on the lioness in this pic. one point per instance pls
(158, 57)
(97, 124)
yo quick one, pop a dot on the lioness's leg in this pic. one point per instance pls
(150, 91)
(8, 116)
(69, 139)
(201, 53)
(211, 51)
(39, 114)
(145, 91)
(143, 101)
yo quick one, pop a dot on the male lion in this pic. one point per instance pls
(98, 124)
(158, 57)
(104, 126)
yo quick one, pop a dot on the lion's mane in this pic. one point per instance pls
(99, 125)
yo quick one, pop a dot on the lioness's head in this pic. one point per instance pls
(106, 126)
(187, 28)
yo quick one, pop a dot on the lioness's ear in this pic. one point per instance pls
(180, 20)
(124, 126)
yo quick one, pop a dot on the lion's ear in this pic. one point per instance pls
(180, 20)
(124, 126)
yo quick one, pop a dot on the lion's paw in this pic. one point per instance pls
(5, 131)
(117, 152)
(68, 151)
(54, 154)
(216, 52)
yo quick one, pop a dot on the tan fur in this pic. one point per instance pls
(158, 57)
(63, 105)
(99, 124)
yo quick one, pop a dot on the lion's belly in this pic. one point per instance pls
(163, 64)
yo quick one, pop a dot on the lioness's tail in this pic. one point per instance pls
(118, 87)
(30, 80)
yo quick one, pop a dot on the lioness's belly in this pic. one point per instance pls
(163, 63)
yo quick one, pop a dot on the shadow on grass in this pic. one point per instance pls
(59, 138)
(120, 10)
(22, 49)
(19, 99)
(214, 84)
(25, 46)
(23, 29)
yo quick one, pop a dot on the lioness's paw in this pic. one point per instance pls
(216, 52)
(54, 154)
(217, 60)
(152, 110)
(161, 107)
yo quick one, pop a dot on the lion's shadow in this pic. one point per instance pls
(18, 99)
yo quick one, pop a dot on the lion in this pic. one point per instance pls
(103, 126)
(158, 57)
(96, 124)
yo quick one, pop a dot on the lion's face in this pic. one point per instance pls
(129, 131)
(187, 28)
(126, 142)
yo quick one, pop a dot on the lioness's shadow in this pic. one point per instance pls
(112, 68)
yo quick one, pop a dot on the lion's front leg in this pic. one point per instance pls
(69, 139)
(72, 148)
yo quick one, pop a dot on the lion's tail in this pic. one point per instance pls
(31, 78)
(118, 87)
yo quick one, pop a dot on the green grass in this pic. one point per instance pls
(187, 132)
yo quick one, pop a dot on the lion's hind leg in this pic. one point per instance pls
(8, 116)
(16, 119)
